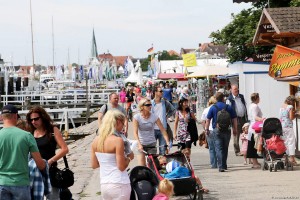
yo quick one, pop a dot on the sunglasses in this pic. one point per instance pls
(163, 164)
(148, 104)
(35, 119)
(159, 91)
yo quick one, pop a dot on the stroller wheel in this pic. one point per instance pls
(275, 168)
(280, 165)
(198, 195)
(265, 166)
(271, 167)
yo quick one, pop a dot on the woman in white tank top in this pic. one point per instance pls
(111, 152)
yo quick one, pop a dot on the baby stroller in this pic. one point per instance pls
(273, 159)
(184, 186)
(143, 183)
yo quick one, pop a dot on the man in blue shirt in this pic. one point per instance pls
(167, 93)
(222, 138)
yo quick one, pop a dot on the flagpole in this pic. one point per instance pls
(32, 48)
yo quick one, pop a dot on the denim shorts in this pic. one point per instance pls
(15, 192)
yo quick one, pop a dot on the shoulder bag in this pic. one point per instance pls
(61, 178)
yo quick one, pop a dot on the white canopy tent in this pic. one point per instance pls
(136, 75)
(209, 70)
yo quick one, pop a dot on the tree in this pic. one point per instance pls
(239, 33)
(163, 55)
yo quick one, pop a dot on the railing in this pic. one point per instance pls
(63, 116)
(57, 97)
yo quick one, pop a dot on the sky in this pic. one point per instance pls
(122, 27)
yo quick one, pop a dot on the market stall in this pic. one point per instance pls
(285, 66)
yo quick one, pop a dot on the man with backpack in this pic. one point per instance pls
(223, 119)
(113, 104)
(238, 104)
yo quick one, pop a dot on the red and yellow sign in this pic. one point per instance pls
(285, 62)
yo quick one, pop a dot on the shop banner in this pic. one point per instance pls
(189, 60)
(285, 63)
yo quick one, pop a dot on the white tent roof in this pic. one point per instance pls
(168, 66)
(209, 70)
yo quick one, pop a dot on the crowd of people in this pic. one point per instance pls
(27, 145)
(111, 151)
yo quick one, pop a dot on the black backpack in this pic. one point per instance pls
(223, 119)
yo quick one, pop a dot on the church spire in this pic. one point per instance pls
(94, 52)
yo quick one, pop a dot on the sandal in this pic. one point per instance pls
(205, 191)
(256, 167)
(294, 163)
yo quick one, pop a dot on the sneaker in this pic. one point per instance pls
(221, 170)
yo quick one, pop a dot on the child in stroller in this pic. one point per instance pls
(274, 146)
(187, 184)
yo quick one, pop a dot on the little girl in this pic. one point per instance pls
(244, 139)
(165, 190)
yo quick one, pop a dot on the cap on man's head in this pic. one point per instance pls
(9, 109)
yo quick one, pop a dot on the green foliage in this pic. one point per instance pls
(144, 64)
(273, 3)
(295, 3)
(164, 55)
(238, 34)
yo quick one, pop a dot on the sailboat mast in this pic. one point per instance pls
(32, 49)
(52, 43)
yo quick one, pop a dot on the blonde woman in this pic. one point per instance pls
(112, 151)
(143, 129)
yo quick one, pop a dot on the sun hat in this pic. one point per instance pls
(172, 165)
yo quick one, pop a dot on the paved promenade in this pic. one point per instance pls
(238, 182)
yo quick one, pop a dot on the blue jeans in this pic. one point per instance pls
(15, 192)
(221, 145)
(161, 141)
(212, 149)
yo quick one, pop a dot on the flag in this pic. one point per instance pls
(101, 72)
(81, 72)
(150, 50)
(90, 73)
(126, 67)
(189, 60)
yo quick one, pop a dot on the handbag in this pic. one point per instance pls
(169, 132)
(257, 126)
(193, 131)
(134, 107)
(61, 178)
(203, 140)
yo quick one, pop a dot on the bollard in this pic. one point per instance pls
(27, 103)
(88, 106)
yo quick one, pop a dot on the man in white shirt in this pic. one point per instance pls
(237, 102)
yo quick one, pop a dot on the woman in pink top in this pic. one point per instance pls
(123, 97)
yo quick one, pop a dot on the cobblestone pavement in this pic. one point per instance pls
(238, 182)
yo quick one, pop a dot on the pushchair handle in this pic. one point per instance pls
(166, 146)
